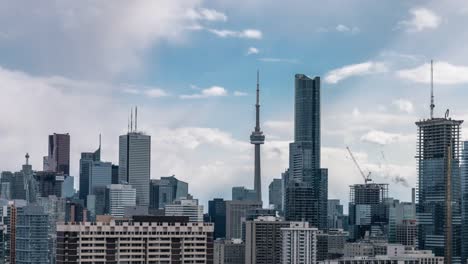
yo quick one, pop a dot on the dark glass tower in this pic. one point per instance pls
(58, 159)
(307, 186)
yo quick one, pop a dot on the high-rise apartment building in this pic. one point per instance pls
(299, 244)
(464, 184)
(307, 184)
(32, 236)
(119, 196)
(143, 239)
(135, 163)
(58, 158)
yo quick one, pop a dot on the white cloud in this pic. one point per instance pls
(247, 33)
(206, 14)
(404, 105)
(444, 73)
(252, 50)
(131, 91)
(343, 28)
(421, 19)
(365, 68)
(156, 93)
(279, 60)
(380, 137)
(239, 93)
(213, 91)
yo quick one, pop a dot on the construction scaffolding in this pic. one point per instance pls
(369, 193)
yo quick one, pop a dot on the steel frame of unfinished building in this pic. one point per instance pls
(439, 187)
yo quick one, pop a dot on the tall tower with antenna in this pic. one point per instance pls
(257, 138)
(432, 90)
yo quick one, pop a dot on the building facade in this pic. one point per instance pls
(32, 236)
(229, 251)
(236, 213)
(217, 215)
(58, 158)
(299, 244)
(275, 194)
(119, 196)
(166, 190)
(185, 207)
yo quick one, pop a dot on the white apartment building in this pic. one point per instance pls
(299, 244)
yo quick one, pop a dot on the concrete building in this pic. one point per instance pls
(368, 248)
(141, 240)
(275, 195)
(229, 251)
(299, 244)
(236, 212)
(439, 187)
(257, 138)
(307, 186)
(32, 236)
(397, 254)
(58, 158)
(119, 196)
(217, 215)
(330, 244)
(263, 242)
(166, 190)
(240, 193)
(185, 207)
(135, 162)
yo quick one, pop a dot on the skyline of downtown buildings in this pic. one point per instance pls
(306, 182)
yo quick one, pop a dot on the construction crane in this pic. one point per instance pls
(366, 177)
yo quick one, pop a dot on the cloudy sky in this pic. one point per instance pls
(79, 66)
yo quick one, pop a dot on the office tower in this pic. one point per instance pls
(86, 163)
(49, 183)
(58, 159)
(32, 236)
(368, 211)
(402, 223)
(236, 212)
(217, 215)
(134, 241)
(307, 184)
(439, 185)
(115, 174)
(185, 207)
(299, 244)
(166, 190)
(229, 251)
(257, 138)
(68, 186)
(275, 194)
(263, 241)
(119, 196)
(335, 214)
(75, 210)
(99, 178)
(135, 162)
(240, 193)
(5, 183)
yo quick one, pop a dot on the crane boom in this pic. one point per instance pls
(366, 178)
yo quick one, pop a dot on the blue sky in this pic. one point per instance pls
(190, 66)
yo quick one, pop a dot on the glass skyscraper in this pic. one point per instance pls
(439, 187)
(306, 193)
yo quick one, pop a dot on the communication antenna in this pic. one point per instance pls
(432, 90)
(131, 119)
(136, 118)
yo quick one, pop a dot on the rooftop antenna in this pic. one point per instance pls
(136, 118)
(432, 90)
(131, 120)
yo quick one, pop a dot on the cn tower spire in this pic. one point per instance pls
(257, 138)
(432, 90)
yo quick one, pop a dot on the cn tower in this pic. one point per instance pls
(257, 138)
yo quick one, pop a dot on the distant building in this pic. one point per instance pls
(229, 251)
(240, 193)
(335, 214)
(275, 194)
(263, 242)
(185, 207)
(367, 248)
(118, 197)
(307, 185)
(135, 163)
(217, 215)
(49, 183)
(402, 228)
(166, 190)
(135, 241)
(58, 158)
(236, 212)
(86, 164)
(330, 244)
(54, 207)
(32, 236)
(115, 174)
(299, 244)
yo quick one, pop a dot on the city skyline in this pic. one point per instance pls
(370, 106)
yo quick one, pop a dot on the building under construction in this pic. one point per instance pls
(368, 210)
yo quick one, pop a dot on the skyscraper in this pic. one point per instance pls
(257, 138)
(86, 162)
(307, 184)
(135, 162)
(275, 194)
(464, 179)
(439, 185)
(119, 196)
(166, 190)
(58, 158)
(217, 215)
